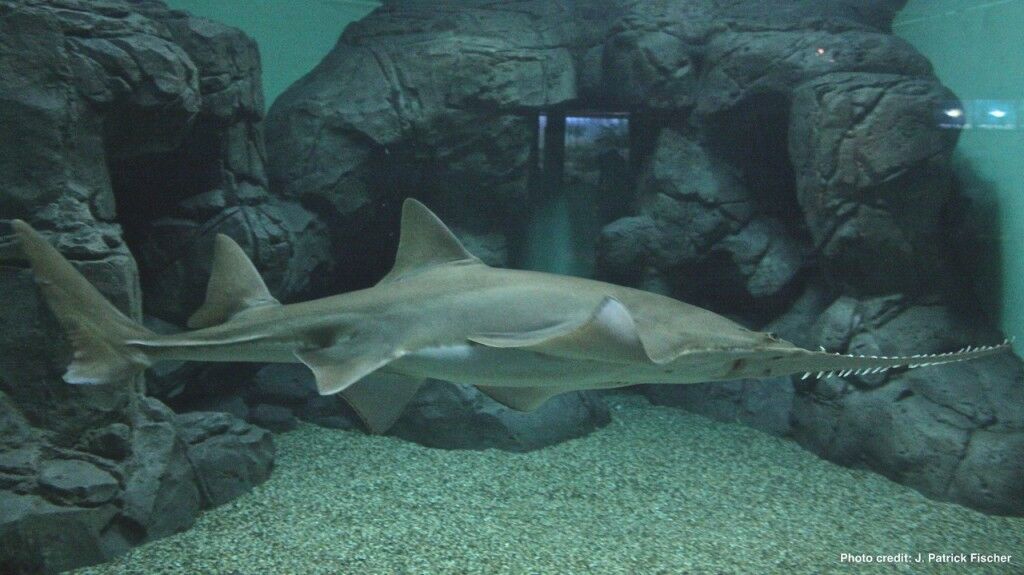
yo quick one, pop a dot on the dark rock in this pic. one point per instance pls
(329, 411)
(918, 427)
(155, 410)
(15, 430)
(832, 329)
(876, 180)
(694, 199)
(634, 65)
(34, 354)
(672, 57)
(99, 97)
(167, 379)
(286, 383)
(227, 62)
(460, 417)
(796, 324)
(690, 201)
(78, 482)
(989, 475)
(755, 266)
(355, 170)
(65, 68)
(287, 243)
(233, 405)
(624, 251)
(229, 456)
(201, 386)
(23, 460)
(40, 537)
(198, 426)
(698, 231)
(276, 418)
(737, 62)
(178, 105)
(160, 490)
(112, 442)
(761, 404)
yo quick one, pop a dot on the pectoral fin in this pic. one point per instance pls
(609, 334)
(520, 398)
(380, 399)
(337, 368)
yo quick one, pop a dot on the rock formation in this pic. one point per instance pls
(107, 108)
(786, 160)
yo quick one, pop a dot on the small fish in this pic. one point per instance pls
(519, 336)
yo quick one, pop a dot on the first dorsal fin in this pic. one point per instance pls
(235, 286)
(424, 242)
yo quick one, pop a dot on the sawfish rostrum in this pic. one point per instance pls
(519, 336)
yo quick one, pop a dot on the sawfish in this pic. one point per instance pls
(519, 336)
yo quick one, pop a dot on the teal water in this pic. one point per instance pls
(293, 36)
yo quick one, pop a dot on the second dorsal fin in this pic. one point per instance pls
(235, 286)
(424, 241)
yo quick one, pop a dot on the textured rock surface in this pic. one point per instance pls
(699, 231)
(91, 91)
(174, 201)
(951, 432)
(876, 179)
(340, 141)
(762, 404)
(228, 455)
(406, 106)
(77, 481)
(273, 417)
(460, 417)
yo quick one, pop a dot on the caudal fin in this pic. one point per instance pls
(97, 331)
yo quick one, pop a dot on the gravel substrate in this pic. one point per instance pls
(657, 491)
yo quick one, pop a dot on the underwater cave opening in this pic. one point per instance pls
(583, 179)
(148, 188)
(753, 135)
(167, 187)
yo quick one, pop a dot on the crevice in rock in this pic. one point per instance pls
(753, 135)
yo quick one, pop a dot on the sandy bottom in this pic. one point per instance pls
(657, 491)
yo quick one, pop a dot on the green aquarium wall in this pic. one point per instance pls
(977, 51)
(293, 36)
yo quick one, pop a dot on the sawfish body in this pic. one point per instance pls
(441, 321)
(519, 336)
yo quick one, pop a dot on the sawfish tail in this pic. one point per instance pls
(96, 330)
